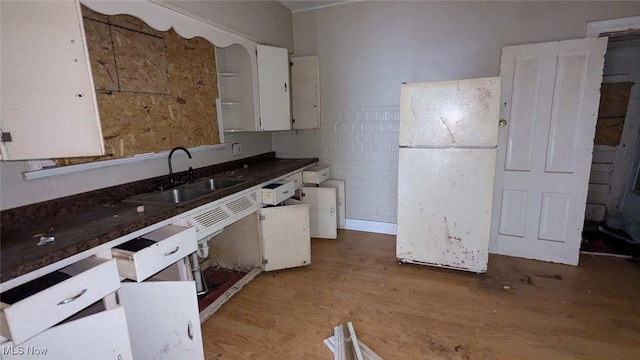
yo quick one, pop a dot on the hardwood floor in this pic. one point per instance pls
(546, 311)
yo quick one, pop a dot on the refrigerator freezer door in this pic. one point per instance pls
(444, 207)
(450, 113)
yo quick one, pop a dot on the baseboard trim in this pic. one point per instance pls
(371, 226)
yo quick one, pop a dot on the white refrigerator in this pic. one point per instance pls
(447, 158)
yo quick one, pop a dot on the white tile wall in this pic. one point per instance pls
(361, 145)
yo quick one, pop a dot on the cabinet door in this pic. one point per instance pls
(285, 235)
(163, 319)
(100, 336)
(322, 211)
(274, 88)
(47, 87)
(305, 92)
(341, 213)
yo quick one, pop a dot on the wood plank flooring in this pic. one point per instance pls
(519, 309)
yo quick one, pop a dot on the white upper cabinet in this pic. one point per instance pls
(305, 92)
(236, 86)
(48, 106)
(274, 88)
(254, 92)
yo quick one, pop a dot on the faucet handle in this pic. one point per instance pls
(191, 175)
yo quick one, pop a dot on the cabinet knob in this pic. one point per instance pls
(502, 122)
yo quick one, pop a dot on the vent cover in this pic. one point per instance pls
(216, 216)
(211, 217)
(237, 206)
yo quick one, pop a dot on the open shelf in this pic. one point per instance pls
(235, 83)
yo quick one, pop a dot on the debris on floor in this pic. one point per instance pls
(345, 345)
(622, 229)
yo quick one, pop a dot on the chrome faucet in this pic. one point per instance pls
(171, 181)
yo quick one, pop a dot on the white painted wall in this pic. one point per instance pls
(267, 22)
(296, 143)
(15, 191)
(367, 49)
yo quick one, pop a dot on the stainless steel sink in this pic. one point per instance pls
(214, 184)
(186, 193)
(173, 196)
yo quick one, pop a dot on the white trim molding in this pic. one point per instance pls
(53, 171)
(371, 226)
(595, 28)
(317, 7)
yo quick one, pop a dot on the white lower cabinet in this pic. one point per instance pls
(141, 258)
(31, 315)
(148, 320)
(100, 336)
(163, 319)
(285, 235)
(322, 210)
(316, 174)
(341, 213)
(277, 192)
(162, 316)
(296, 178)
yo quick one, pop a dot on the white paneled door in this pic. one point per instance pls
(550, 96)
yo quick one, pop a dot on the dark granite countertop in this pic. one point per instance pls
(84, 221)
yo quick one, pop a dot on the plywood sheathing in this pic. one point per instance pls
(155, 90)
(90, 14)
(103, 62)
(132, 23)
(614, 100)
(141, 62)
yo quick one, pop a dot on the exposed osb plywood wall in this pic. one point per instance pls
(155, 90)
(614, 100)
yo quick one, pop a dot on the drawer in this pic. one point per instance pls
(277, 192)
(316, 174)
(296, 179)
(30, 316)
(100, 336)
(140, 258)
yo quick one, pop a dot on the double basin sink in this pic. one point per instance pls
(187, 192)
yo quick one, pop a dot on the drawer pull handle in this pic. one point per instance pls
(73, 298)
(190, 330)
(325, 174)
(172, 252)
(285, 192)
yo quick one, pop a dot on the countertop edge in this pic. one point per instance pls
(16, 271)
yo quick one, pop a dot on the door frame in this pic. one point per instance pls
(595, 29)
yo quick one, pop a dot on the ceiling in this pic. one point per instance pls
(301, 5)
